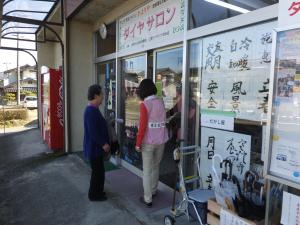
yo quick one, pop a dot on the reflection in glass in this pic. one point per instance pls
(133, 72)
(194, 87)
(169, 85)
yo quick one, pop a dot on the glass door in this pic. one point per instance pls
(107, 80)
(133, 72)
(168, 79)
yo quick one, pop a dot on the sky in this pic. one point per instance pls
(8, 59)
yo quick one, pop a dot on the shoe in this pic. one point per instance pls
(98, 199)
(96, 195)
(148, 204)
(154, 195)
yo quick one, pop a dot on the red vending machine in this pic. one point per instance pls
(52, 108)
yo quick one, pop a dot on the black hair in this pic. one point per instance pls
(146, 88)
(94, 89)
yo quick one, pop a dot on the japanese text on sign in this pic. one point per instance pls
(231, 146)
(289, 13)
(236, 70)
(156, 20)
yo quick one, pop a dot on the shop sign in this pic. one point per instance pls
(236, 70)
(232, 146)
(218, 122)
(157, 20)
(289, 13)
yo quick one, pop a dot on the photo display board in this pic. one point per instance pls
(284, 158)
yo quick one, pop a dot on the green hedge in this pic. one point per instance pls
(13, 114)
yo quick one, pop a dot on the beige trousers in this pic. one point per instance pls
(152, 155)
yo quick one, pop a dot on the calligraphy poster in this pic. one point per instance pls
(236, 71)
(290, 213)
(285, 145)
(232, 146)
(155, 21)
(227, 218)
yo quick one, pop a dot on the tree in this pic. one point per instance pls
(10, 97)
(28, 93)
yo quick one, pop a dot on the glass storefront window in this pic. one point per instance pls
(133, 72)
(204, 12)
(168, 79)
(229, 84)
(108, 45)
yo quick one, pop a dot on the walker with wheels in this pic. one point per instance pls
(190, 199)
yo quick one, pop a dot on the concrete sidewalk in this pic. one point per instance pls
(40, 189)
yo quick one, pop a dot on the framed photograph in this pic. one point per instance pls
(284, 117)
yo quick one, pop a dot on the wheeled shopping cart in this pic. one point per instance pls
(193, 202)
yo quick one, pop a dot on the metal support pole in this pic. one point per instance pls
(3, 117)
(18, 74)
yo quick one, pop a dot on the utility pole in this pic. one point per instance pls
(18, 73)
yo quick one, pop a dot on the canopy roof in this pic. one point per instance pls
(22, 19)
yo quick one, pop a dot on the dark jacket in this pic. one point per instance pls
(95, 133)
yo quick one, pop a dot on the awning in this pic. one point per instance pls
(22, 19)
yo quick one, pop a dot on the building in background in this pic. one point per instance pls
(26, 71)
(28, 81)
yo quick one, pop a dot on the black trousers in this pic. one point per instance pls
(97, 177)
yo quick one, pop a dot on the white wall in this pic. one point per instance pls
(12, 77)
(80, 75)
(45, 55)
(118, 11)
(29, 74)
(57, 51)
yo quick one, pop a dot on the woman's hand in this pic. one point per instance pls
(138, 149)
(106, 147)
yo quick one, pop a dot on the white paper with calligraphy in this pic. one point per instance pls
(157, 20)
(289, 13)
(236, 70)
(227, 218)
(230, 145)
(290, 213)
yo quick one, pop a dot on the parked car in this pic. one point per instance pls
(30, 102)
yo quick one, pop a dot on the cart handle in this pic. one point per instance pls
(190, 153)
(188, 147)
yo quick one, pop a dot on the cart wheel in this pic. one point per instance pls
(169, 220)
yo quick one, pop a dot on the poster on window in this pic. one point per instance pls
(285, 145)
(231, 146)
(157, 20)
(236, 71)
